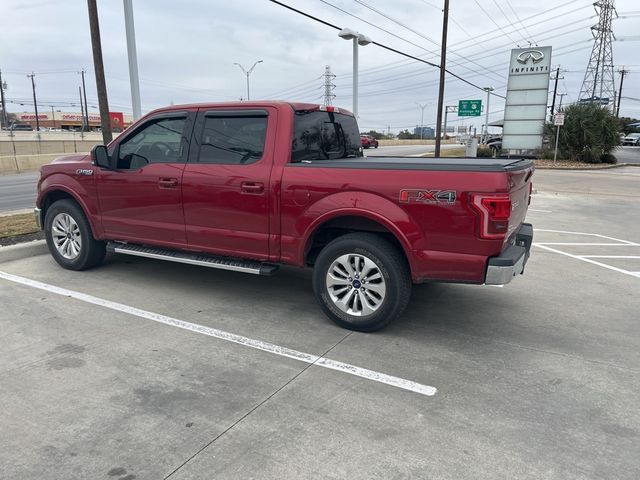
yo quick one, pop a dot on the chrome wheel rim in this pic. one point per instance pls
(66, 236)
(356, 285)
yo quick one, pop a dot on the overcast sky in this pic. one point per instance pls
(187, 50)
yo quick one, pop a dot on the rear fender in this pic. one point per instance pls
(367, 205)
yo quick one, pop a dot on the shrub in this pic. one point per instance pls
(608, 158)
(589, 132)
(484, 152)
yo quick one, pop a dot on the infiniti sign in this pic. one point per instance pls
(535, 56)
(530, 61)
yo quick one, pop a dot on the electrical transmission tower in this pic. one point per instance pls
(598, 85)
(328, 86)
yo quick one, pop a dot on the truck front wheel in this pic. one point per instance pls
(361, 281)
(69, 237)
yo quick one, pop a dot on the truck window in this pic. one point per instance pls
(319, 135)
(233, 139)
(157, 142)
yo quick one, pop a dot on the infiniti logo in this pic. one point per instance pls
(536, 56)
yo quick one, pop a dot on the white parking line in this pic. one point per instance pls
(608, 256)
(588, 258)
(583, 259)
(230, 337)
(537, 210)
(587, 234)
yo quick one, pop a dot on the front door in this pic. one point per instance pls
(226, 190)
(141, 200)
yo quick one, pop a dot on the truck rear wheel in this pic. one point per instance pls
(361, 281)
(69, 237)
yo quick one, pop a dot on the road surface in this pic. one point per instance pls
(405, 150)
(18, 192)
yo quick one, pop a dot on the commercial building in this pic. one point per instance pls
(72, 120)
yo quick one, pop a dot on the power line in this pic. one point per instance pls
(391, 49)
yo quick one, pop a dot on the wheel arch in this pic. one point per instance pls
(336, 224)
(59, 192)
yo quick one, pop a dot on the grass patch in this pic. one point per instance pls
(449, 152)
(17, 225)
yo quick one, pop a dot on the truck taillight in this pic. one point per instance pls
(494, 210)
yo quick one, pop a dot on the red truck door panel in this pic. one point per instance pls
(141, 200)
(225, 184)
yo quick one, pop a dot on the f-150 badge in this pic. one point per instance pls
(428, 196)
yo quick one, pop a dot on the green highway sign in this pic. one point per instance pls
(469, 108)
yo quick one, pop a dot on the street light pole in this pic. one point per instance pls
(133, 59)
(3, 118)
(358, 39)
(422, 107)
(486, 117)
(247, 73)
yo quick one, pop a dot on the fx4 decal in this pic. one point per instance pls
(447, 197)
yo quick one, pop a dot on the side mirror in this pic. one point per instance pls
(100, 157)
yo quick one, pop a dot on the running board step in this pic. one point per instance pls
(211, 261)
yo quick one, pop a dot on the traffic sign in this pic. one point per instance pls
(469, 108)
(558, 119)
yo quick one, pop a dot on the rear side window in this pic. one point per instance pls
(233, 139)
(319, 135)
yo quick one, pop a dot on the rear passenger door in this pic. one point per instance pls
(226, 193)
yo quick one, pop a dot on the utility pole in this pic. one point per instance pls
(555, 90)
(328, 86)
(86, 107)
(561, 95)
(3, 118)
(98, 66)
(443, 65)
(623, 72)
(486, 113)
(133, 59)
(81, 110)
(422, 107)
(35, 102)
(53, 116)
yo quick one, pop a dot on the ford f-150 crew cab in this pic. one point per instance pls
(250, 185)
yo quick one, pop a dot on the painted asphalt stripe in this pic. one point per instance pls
(587, 234)
(577, 257)
(537, 210)
(578, 244)
(611, 256)
(230, 337)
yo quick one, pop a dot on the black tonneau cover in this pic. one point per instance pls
(422, 163)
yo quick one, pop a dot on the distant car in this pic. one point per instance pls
(495, 144)
(24, 127)
(367, 141)
(632, 139)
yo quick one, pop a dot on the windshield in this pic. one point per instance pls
(319, 135)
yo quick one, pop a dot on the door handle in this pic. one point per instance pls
(168, 182)
(255, 188)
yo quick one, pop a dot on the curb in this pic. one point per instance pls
(23, 250)
(575, 169)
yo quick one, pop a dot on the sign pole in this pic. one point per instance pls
(555, 153)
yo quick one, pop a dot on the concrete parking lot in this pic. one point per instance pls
(132, 370)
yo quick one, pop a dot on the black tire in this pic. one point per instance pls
(376, 146)
(392, 266)
(91, 252)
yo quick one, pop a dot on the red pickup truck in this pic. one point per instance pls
(250, 185)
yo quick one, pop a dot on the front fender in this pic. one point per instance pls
(81, 193)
